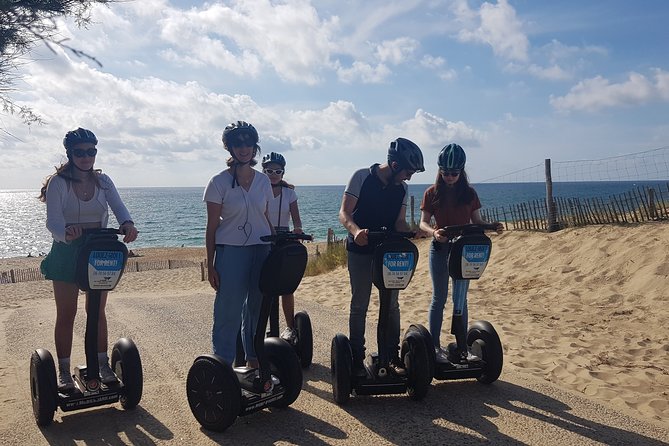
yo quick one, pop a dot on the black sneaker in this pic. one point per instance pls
(358, 369)
(456, 355)
(397, 368)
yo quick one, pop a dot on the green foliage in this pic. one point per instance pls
(24, 24)
(322, 262)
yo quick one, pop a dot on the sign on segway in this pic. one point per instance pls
(104, 269)
(398, 269)
(474, 260)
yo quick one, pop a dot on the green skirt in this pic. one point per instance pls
(61, 262)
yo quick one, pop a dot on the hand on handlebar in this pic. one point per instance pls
(440, 235)
(129, 232)
(361, 237)
(499, 227)
(73, 232)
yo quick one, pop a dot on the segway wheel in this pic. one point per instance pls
(305, 338)
(429, 345)
(213, 392)
(414, 355)
(285, 365)
(127, 365)
(341, 363)
(484, 342)
(43, 386)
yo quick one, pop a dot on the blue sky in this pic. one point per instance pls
(330, 83)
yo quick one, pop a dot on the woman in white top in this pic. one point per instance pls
(77, 197)
(237, 201)
(283, 208)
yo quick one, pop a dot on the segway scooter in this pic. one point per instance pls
(218, 392)
(477, 353)
(304, 342)
(100, 265)
(394, 262)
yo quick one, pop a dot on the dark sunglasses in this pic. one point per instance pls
(80, 153)
(274, 171)
(450, 173)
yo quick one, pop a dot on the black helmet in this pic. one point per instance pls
(406, 154)
(452, 157)
(239, 132)
(274, 157)
(78, 136)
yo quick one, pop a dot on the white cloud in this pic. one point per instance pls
(364, 73)
(396, 51)
(429, 61)
(598, 92)
(495, 25)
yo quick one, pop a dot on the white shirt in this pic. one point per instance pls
(243, 219)
(281, 217)
(63, 208)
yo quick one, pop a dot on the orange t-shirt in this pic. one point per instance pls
(449, 212)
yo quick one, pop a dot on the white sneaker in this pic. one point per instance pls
(107, 374)
(65, 382)
(289, 335)
(441, 355)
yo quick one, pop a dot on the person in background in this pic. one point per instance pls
(282, 209)
(237, 200)
(78, 197)
(451, 201)
(376, 198)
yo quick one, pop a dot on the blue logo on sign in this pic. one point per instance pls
(106, 260)
(399, 261)
(476, 253)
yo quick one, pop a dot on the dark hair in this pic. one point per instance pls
(463, 191)
(65, 171)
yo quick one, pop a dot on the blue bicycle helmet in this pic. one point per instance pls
(406, 154)
(452, 156)
(239, 133)
(78, 136)
(274, 157)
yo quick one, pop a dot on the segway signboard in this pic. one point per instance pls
(398, 268)
(474, 260)
(104, 269)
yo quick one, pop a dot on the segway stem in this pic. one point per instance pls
(91, 337)
(382, 329)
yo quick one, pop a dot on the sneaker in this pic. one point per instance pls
(455, 355)
(65, 382)
(440, 354)
(358, 369)
(397, 368)
(289, 335)
(107, 375)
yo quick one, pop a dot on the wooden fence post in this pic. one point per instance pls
(551, 223)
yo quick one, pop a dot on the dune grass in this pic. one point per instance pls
(332, 257)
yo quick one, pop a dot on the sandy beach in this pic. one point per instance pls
(582, 315)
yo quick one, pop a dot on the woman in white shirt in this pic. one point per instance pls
(77, 197)
(237, 201)
(282, 209)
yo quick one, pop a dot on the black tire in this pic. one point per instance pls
(43, 386)
(484, 342)
(285, 365)
(429, 345)
(305, 338)
(417, 363)
(213, 392)
(127, 365)
(341, 363)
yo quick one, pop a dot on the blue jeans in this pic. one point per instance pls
(439, 274)
(360, 274)
(238, 298)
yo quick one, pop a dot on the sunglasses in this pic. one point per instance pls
(450, 173)
(274, 171)
(80, 153)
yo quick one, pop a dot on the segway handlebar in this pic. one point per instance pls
(383, 235)
(286, 236)
(472, 228)
(100, 231)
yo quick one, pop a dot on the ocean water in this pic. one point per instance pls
(176, 216)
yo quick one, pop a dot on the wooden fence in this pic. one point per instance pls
(33, 274)
(635, 206)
